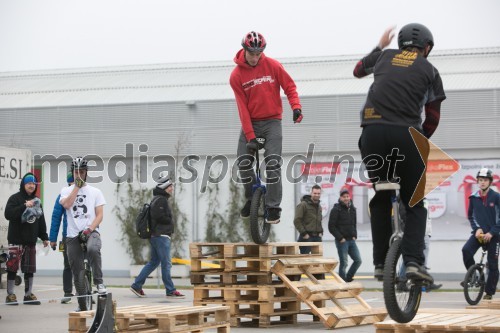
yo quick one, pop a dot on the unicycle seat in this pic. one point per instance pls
(386, 186)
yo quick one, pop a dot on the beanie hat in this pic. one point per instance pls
(29, 178)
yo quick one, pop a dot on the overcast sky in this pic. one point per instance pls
(50, 34)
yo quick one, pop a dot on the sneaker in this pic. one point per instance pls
(101, 289)
(31, 300)
(11, 300)
(273, 215)
(138, 292)
(67, 298)
(175, 294)
(78, 309)
(416, 272)
(462, 283)
(379, 272)
(434, 287)
(487, 297)
(245, 211)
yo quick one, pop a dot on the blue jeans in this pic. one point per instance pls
(160, 254)
(468, 251)
(350, 248)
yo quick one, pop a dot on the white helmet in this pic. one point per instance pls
(164, 182)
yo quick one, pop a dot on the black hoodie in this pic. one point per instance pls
(23, 233)
(162, 222)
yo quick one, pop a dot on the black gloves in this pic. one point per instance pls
(253, 146)
(297, 115)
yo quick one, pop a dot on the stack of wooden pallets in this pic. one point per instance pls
(239, 276)
(160, 319)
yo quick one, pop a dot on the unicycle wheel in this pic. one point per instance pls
(259, 229)
(401, 296)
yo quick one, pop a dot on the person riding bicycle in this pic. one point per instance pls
(484, 218)
(256, 81)
(84, 206)
(404, 83)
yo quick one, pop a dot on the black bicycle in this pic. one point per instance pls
(84, 284)
(401, 295)
(475, 281)
(259, 228)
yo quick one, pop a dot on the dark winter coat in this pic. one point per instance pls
(342, 222)
(23, 233)
(308, 217)
(162, 221)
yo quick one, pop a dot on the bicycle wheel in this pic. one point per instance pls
(474, 284)
(84, 289)
(259, 229)
(401, 296)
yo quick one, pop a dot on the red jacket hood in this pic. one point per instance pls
(239, 59)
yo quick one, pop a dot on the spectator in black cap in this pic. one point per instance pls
(342, 225)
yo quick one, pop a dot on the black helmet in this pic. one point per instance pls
(79, 163)
(485, 173)
(415, 34)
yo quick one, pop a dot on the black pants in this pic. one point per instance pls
(381, 140)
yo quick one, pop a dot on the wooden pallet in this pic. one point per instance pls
(489, 304)
(261, 314)
(240, 250)
(160, 319)
(445, 320)
(262, 293)
(231, 278)
(325, 297)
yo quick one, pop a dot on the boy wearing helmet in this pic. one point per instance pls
(484, 218)
(405, 82)
(256, 81)
(162, 228)
(84, 206)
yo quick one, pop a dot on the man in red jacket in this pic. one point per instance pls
(256, 82)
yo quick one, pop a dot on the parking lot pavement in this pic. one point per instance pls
(52, 316)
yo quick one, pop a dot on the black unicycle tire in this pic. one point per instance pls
(84, 289)
(469, 284)
(402, 306)
(259, 229)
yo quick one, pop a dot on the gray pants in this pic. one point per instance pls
(271, 131)
(75, 256)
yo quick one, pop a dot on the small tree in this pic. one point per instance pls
(126, 211)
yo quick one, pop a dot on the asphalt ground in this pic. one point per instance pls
(52, 316)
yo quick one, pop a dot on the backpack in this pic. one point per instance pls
(143, 221)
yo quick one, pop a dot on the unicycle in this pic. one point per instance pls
(401, 295)
(259, 228)
(475, 281)
(84, 285)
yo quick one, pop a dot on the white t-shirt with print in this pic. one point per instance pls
(81, 215)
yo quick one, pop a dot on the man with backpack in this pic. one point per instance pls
(162, 228)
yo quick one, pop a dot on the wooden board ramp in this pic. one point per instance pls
(445, 320)
(160, 319)
(326, 297)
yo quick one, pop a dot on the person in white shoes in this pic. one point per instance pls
(84, 206)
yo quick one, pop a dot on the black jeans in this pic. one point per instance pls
(381, 140)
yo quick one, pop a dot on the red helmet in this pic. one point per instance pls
(253, 42)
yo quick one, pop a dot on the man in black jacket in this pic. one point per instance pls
(162, 226)
(26, 224)
(342, 225)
